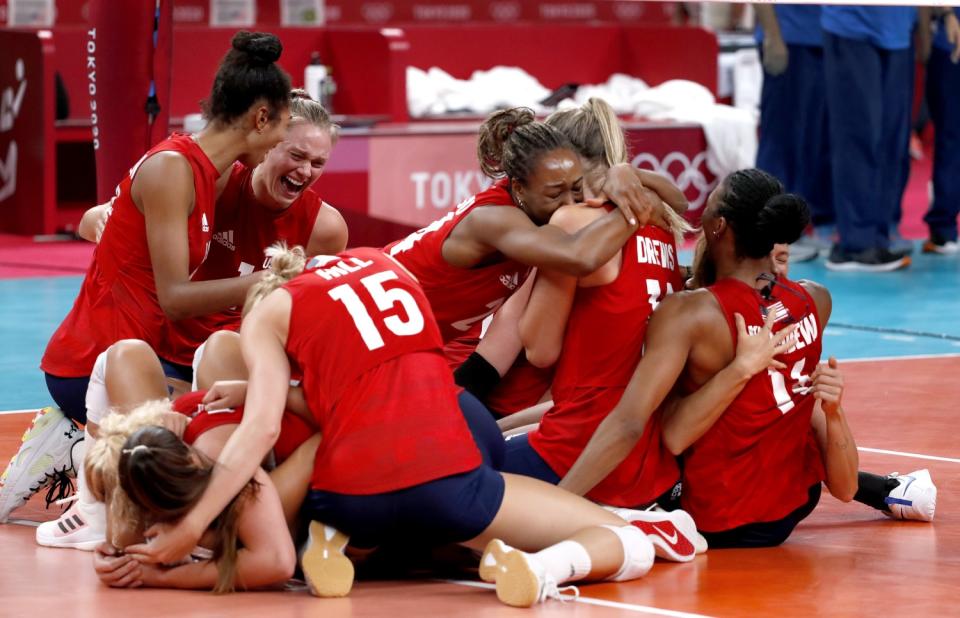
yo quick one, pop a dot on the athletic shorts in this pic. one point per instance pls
(70, 395)
(523, 459)
(486, 432)
(767, 533)
(177, 371)
(452, 509)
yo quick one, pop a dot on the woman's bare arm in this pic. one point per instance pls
(163, 189)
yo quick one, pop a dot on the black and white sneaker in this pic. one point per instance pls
(941, 246)
(874, 260)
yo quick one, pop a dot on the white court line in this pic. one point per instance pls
(903, 454)
(24, 522)
(642, 609)
(874, 359)
(33, 411)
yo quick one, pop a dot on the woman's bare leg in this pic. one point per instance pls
(561, 516)
(221, 360)
(292, 478)
(574, 539)
(133, 375)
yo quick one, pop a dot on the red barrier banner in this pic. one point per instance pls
(389, 12)
(415, 179)
(27, 191)
(396, 12)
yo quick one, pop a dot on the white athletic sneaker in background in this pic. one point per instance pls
(914, 498)
(83, 526)
(44, 456)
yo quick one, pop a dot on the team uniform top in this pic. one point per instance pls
(244, 228)
(460, 297)
(118, 298)
(758, 461)
(601, 348)
(362, 332)
(294, 430)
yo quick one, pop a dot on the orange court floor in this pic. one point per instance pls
(844, 560)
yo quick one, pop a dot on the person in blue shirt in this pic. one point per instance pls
(794, 137)
(868, 65)
(943, 97)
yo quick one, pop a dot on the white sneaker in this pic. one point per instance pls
(673, 533)
(521, 580)
(328, 572)
(44, 455)
(83, 526)
(914, 498)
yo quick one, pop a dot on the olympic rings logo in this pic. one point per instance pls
(686, 174)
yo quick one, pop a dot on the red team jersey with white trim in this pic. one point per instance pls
(758, 461)
(460, 297)
(601, 348)
(374, 377)
(244, 228)
(118, 298)
(294, 430)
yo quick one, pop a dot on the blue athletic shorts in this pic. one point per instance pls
(521, 458)
(177, 371)
(484, 428)
(70, 395)
(452, 509)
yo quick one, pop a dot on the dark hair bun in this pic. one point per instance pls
(260, 47)
(783, 218)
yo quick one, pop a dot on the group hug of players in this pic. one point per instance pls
(651, 410)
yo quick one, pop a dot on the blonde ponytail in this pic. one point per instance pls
(285, 264)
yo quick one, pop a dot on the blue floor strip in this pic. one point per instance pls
(906, 313)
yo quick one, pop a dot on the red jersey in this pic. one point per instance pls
(460, 297)
(374, 377)
(758, 461)
(118, 298)
(294, 430)
(244, 228)
(602, 345)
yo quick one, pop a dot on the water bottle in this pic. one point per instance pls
(318, 82)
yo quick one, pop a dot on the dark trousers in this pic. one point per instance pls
(869, 92)
(943, 90)
(794, 136)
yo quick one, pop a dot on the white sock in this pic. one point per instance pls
(566, 561)
(97, 402)
(80, 449)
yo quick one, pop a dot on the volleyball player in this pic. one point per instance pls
(752, 464)
(397, 459)
(159, 233)
(276, 201)
(145, 473)
(910, 496)
(470, 261)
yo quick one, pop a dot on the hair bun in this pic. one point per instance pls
(260, 47)
(783, 218)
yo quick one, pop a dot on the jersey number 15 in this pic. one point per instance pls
(385, 299)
